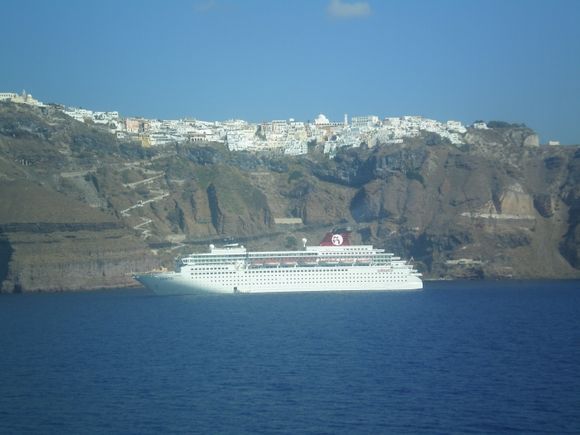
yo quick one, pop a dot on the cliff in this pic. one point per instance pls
(81, 210)
(52, 237)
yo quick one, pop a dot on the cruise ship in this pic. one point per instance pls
(334, 265)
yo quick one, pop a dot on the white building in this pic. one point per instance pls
(368, 121)
(321, 121)
(241, 139)
(22, 98)
(394, 130)
(295, 147)
(8, 96)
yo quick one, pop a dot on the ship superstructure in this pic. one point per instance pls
(334, 265)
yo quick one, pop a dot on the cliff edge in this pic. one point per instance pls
(80, 209)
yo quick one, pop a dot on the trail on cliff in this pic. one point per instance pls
(81, 209)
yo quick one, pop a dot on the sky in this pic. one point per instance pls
(259, 60)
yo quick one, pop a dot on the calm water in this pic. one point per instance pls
(454, 358)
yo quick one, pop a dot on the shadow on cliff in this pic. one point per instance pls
(5, 257)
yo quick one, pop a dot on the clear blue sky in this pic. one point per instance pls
(511, 60)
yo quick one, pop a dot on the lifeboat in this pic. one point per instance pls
(271, 264)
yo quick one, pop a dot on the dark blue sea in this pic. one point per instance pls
(458, 357)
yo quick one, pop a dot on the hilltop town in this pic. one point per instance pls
(288, 137)
(85, 204)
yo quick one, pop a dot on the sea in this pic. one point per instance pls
(454, 358)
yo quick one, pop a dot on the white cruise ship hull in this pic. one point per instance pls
(283, 280)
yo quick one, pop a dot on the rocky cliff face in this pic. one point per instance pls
(56, 230)
(51, 242)
(80, 210)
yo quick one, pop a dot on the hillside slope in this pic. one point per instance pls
(81, 210)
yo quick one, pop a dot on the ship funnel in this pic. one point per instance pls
(337, 237)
